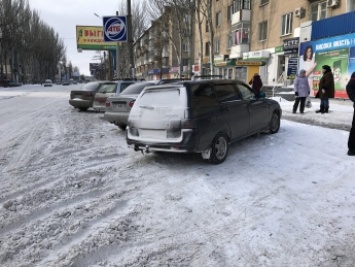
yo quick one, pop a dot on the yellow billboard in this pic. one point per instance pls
(92, 38)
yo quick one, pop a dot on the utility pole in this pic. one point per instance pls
(130, 37)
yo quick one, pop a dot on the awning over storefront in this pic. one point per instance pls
(230, 62)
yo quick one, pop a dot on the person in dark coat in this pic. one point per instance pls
(326, 89)
(350, 89)
(256, 84)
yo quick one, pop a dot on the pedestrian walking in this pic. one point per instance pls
(256, 84)
(326, 89)
(350, 89)
(302, 91)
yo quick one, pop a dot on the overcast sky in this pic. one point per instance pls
(64, 15)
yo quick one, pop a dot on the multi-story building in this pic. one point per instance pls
(163, 51)
(237, 38)
(269, 37)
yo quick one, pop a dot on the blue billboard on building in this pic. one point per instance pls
(338, 52)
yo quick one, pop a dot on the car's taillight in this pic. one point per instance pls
(188, 124)
(131, 103)
(107, 104)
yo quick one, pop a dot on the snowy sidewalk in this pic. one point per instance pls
(339, 117)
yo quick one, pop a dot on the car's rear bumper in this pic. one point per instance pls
(79, 103)
(116, 118)
(186, 143)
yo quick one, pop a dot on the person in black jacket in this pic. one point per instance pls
(256, 84)
(350, 89)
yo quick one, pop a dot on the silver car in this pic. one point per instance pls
(108, 89)
(118, 107)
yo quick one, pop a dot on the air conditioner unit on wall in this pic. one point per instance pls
(300, 12)
(332, 3)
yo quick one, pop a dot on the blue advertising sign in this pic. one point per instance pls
(115, 29)
(338, 52)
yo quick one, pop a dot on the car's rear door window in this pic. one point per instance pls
(226, 92)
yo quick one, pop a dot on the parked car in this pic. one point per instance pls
(84, 97)
(108, 89)
(48, 82)
(66, 82)
(118, 107)
(202, 116)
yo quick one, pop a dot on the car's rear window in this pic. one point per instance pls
(108, 88)
(161, 97)
(136, 88)
(90, 86)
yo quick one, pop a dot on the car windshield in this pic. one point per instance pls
(108, 88)
(90, 86)
(136, 89)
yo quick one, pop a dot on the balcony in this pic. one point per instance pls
(241, 15)
(238, 50)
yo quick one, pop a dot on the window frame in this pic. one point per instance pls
(320, 9)
(263, 30)
(218, 19)
(263, 2)
(286, 24)
(217, 45)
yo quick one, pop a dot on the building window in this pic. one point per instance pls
(229, 41)
(216, 46)
(230, 13)
(286, 26)
(207, 28)
(241, 33)
(263, 2)
(236, 5)
(351, 5)
(262, 31)
(319, 10)
(218, 19)
(185, 47)
(207, 48)
(185, 61)
(246, 4)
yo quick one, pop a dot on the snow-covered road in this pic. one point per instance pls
(73, 194)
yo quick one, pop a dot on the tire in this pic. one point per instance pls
(83, 109)
(219, 149)
(274, 123)
(122, 126)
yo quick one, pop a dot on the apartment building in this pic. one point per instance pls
(269, 37)
(163, 51)
(265, 36)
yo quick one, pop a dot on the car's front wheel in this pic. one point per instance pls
(274, 123)
(219, 149)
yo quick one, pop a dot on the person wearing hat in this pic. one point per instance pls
(302, 90)
(326, 89)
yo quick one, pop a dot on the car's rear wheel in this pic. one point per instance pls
(219, 149)
(274, 123)
(83, 109)
(122, 126)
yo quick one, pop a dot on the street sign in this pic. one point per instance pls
(115, 29)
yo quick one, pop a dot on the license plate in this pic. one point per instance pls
(117, 105)
(152, 133)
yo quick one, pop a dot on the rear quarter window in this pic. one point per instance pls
(202, 95)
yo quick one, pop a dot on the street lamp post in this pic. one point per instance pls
(130, 37)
